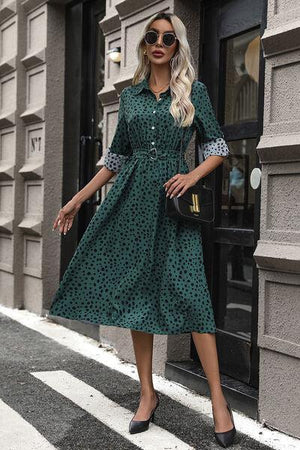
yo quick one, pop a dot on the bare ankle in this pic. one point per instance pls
(217, 396)
(147, 393)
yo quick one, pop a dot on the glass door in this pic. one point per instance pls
(231, 67)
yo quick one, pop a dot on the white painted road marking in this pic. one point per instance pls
(16, 433)
(106, 355)
(108, 412)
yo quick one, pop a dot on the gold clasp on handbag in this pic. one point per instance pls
(195, 207)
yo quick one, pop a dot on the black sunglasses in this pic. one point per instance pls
(151, 38)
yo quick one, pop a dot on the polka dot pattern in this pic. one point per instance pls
(135, 267)
(113, 161)
(217, 147)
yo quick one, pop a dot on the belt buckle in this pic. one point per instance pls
(153, 148)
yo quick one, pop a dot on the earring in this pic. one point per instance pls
(145, 52)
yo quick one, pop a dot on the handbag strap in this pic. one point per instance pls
(201, 181)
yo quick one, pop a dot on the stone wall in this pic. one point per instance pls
(278, 251)
(32, 36)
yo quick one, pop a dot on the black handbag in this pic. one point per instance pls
(197, 204)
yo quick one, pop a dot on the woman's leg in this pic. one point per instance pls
(143, 349)
(205, 344)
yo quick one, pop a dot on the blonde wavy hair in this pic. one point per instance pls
(182, 70)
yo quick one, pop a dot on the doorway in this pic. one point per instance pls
(84, 79)
(232, 67)
(92, 81)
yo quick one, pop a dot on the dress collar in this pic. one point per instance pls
(145, 85)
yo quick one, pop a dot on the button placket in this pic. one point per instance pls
(153, 126)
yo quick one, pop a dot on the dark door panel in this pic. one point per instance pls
(92, 69)
(83, 111)
(231, 66)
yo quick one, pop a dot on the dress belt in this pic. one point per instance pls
(153, 154)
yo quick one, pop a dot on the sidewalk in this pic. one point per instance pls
(60, 390)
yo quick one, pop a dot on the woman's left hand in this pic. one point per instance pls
(179, 183)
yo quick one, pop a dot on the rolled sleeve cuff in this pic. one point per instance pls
(113, 161)
(216, 147)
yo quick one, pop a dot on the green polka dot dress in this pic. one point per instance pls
(135, 267)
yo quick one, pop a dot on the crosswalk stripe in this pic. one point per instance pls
(108, 412)
(16, 433)
(107, 356)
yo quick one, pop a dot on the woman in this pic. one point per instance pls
(135, 267)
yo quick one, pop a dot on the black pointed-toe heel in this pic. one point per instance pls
(225, 438)
(137, 426)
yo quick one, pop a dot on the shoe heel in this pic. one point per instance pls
(226, 438)
(137, 426)
(231, 415)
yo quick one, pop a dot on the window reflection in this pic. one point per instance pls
(241, 77)
(235, 293)
(238, 197)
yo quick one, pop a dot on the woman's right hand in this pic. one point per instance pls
(66, 214)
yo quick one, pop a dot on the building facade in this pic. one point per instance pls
(58, 112)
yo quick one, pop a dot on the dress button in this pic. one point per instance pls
(154, 111)
(152, 143)
(153, 127)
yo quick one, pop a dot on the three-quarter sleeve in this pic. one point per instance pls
(120, 147)
(212, 140)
